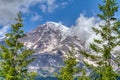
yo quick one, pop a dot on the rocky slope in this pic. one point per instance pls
(50, 38)
(51, 42)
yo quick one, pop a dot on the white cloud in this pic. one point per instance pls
(36, 17)
(51, 5)
(9, 8)
(64, 4)
(83, 28)
(3, 31)
(43, 8)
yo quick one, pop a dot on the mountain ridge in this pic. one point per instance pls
(51, 43)
(48, 37)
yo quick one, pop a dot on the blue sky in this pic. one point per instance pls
(37, 12)
(66, 14)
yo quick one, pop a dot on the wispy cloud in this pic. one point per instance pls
(51, 5)
(83, 28)
(3, 31)
(36, 17)
(43, 8)
(9, 8)
(64, 4)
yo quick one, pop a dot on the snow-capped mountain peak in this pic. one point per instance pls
(51, 44)
(50, 37)
(56, 26)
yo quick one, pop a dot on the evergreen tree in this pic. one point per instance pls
(70, 69)
(84, 75)
(14, 58)
(110, 38)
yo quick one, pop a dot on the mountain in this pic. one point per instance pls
(50, 37)
(51, 43)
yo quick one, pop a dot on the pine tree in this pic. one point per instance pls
(84, 75)
(70, 69)
(14, 58)
(110, 38)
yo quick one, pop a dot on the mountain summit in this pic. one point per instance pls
(51, 42)
(50, 37)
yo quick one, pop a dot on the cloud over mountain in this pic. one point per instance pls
(83, 28)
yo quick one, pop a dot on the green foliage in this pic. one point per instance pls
(70, 69)
(83, 76)
(110, 38)
(14, 58)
